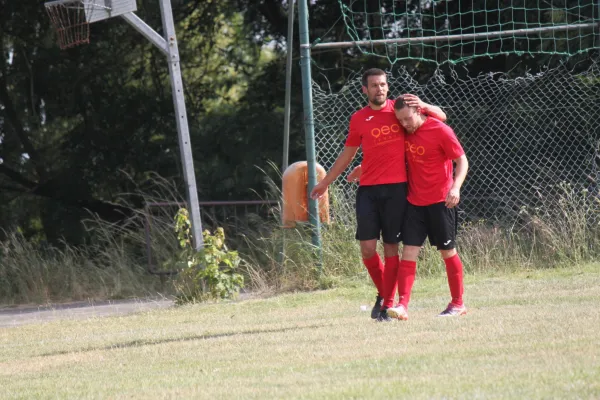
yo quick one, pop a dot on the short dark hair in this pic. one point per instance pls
(371, 72)
(399, 103)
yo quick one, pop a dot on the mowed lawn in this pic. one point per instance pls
(528, 335)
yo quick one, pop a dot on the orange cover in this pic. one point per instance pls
(295, 195)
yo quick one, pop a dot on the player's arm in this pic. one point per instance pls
(340, 164)
(434, 111)
(460, 174)
(414, 101)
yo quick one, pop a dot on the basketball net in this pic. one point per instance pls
(68, 19)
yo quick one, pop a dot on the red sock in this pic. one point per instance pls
(390, 280)
(375, 268)
(406, 278)
(454, 271)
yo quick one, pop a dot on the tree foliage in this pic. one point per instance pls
(81, 128)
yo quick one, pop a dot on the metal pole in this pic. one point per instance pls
(185, 147)
(288, 85)
(309, 126)
(149, 33)
(286, 115)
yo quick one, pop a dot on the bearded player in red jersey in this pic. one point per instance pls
(381, 196)
(433, 193)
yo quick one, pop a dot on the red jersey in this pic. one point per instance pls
(429, 154)
(382, 141)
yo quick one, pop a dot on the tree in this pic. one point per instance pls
(80, 127)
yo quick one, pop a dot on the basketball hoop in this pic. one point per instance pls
(71, 19)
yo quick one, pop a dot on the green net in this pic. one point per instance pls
(452, 31)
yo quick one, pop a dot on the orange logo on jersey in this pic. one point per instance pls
(385, 130)
(414, 149)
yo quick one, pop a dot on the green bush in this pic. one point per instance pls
(208, 274)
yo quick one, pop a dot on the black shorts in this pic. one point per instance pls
(380, 209)
(435, 221)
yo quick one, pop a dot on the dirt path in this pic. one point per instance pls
(15, 316)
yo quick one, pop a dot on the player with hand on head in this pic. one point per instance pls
(433, 194)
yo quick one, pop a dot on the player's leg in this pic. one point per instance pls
(367, 233)
(375, 267)
(392, 210)
(390, 272)
(442, 222)
(414, 233)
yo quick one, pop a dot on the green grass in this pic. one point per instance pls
(531, 334)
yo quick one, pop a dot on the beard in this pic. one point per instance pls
(378, 100)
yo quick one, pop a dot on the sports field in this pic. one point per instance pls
(528, 335)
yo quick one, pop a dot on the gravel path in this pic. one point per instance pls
(14, 316)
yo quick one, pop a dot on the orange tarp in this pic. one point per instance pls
(295, 195)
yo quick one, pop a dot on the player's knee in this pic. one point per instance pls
(367, 253)
(390, 249)
(410, 253)
(448, 253)
(368, 249)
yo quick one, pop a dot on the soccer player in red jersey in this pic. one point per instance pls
(381, 196)
(433, 193)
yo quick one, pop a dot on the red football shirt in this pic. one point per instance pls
(382, 141)
(429, 154)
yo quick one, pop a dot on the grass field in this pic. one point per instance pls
(532, 334)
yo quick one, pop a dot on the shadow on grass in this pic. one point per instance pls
(150, 342)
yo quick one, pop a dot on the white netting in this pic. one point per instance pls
(71, 18)
(69, 21)
(525, 138)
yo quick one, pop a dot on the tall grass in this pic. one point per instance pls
(112, 265)
(561, 230)
(285, 259)
(32, 274)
